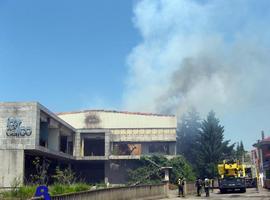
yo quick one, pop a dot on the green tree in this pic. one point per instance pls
(240, 152)
(149, 170)
(212, 148)
(187, 134)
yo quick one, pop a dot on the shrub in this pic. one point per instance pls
(58, 189)
(78, 187)
(65, 176)
(25, 192)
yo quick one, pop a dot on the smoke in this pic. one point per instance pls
(202, 54)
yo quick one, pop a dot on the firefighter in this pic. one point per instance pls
(198, 185)
(206, 186)
(181, 185)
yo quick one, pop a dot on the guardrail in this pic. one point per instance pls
(157, 191)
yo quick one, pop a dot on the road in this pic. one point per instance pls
(251, 194)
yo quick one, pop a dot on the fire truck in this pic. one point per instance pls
(231, 176)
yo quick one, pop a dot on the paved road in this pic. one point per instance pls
(251, 194)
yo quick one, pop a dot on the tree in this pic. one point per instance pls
(41, 166)
(212, 148)
(240, 152)
(187, 134)
(65, 176)
(149, 170)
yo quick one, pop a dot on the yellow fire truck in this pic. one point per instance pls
(231, 176)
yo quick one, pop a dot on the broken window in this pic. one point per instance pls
(126, 149)
(160, 148)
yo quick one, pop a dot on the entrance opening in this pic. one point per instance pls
(94, 147)
(91, 172)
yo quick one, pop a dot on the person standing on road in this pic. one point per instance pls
(198, 185)
(206, 187)
(181, 185)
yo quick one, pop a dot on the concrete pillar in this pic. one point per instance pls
(77, 144)
(82, 146)
(166, 178)
(11, 167)
(107, 143)
(107, 172)
(53, 139)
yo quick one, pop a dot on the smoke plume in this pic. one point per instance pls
(199, 53)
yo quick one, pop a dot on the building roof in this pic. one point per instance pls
(115, 111)
(109, 119)
(262, 142)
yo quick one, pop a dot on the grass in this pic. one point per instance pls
(21, 193)
(58, 189)
(28, 191)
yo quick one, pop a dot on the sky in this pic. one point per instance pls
(162, 56)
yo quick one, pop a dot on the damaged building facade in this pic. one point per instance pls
(99, 145)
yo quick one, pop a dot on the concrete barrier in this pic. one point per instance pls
(190, 187)
(157, 191)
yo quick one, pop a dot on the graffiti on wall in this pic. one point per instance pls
(92, 120)
(14, 128)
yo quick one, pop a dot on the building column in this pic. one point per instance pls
(82, 146)
(11, 167)
(107, 140)
(77, 145)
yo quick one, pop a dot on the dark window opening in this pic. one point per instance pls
(43, 137)
(70, 147)
(94, 147)
(160, 148)
(91, 172)
(126, 149)
(63, 144)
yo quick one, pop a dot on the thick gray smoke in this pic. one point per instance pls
(202, 54)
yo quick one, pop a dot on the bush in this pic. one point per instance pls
(25, 192)
(78, 187)
(65, 176)
(58, 189)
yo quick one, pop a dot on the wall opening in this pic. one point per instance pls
(126, 149)
(63, 143)
(94, 147)
(90, 171)
(160, 148)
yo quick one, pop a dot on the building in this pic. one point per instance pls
(99, 145)
(261, 158)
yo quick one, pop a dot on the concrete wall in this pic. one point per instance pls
(119, 193)
(28, 114)
(116, 120)
(153, 134)
(11, 167)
